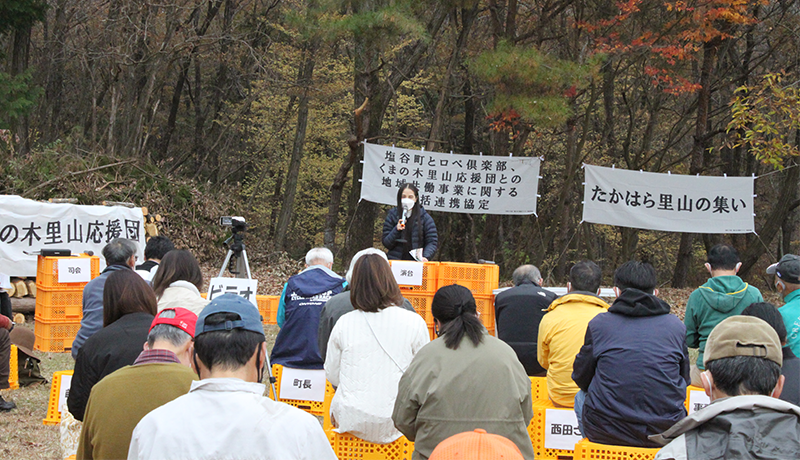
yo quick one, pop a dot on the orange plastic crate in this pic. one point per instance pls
(430, 271)
(422, 305)
(481, 279)
(312, 407)
(55, 337)
(53, 414)
(268, 307)
(13, 369)
(539, 388)
(47, 273)
(59, 305)
(536, 431)
(485, 304)
(586, 450)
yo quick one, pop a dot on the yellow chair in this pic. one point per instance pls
(586, 450)
(53, 412)
(347, 446)
(537, 427)
(538, 388)
(312, 407)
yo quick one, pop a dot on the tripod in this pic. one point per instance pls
(237, 264)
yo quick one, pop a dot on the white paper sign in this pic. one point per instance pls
(561, 429)
(474, 184)
(407, 273)
(28, 225)
(303, 384)
(239, 286)
(74, 270)
(698, 399)
(5, 281)
(668, 202)
(63, 391)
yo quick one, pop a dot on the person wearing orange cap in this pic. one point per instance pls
(161, 373)
(476, 445)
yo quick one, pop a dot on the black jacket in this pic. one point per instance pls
(791, 370)
(634, 367)
(518, 312)
(113, 347)
(423, 235)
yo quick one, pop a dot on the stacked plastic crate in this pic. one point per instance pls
(58, 305)
(421, 296)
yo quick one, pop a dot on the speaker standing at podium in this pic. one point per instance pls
(408, 227)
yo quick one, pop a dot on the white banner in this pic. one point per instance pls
(452, 183)
(668, 202)
(28, 225)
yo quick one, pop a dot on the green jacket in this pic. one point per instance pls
(445, 392)
(719, 298)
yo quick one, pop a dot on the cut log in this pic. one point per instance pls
(21, 290)
(31, 285)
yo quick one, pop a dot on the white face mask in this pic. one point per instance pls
(408, 203)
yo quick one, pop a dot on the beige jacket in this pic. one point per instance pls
(182, 294)
(445, 392)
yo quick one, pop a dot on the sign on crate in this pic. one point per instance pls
(407, 273)
(561, 429)
(63, 392)
(239, 286)
(74, 270)
(698, 399)
(303, 384)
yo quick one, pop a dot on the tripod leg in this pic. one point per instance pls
(225, 264)
(271, 378)
(246, 264)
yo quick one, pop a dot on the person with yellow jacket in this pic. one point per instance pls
(563, 328)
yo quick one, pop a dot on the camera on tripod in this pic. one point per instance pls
(237, 223)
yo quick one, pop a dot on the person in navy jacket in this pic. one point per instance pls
(417, 230)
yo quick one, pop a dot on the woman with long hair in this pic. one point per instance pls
(408, 227)
(463, 380)
(129, 307)
(368, 351)
(178, 282)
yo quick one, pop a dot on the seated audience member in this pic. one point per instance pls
(791, 363)
(120, 254)
(368, 351)
(476, 445)
(463, 380)
(155, 250)
(745, 419)
(340, 304)
(633, 367)
(723, 295)
(6, 325)
(225, 414)
(563, 328)
(299, 308)
(518, 311)
(787, 283)
(161, 373)
(178, 282)
(129, 306)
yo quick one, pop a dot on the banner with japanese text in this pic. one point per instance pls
(668, 202)
(452, 183)
(28, 225)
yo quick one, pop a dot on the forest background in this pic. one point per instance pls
(203, 108)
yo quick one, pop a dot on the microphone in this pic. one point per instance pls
(405, 216)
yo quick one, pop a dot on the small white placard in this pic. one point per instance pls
(5, 281)
(407, 273)
(698, 399)
(74, 270)
(63, 391)
(303, 384)
(239, 286)
(561, 429)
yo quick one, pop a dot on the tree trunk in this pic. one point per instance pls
(303, 81)
(19, 64)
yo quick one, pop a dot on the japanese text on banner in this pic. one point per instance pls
(27, 225)
(668, 202)
(452, 183)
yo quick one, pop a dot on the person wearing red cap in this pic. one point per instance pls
(161, 373)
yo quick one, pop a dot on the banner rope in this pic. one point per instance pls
(777, 171)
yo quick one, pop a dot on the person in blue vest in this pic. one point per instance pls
(301, 302)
